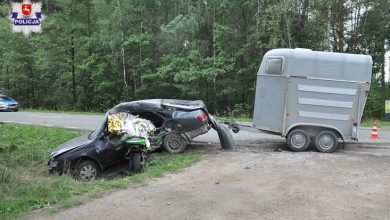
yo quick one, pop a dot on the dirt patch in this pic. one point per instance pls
(252, 182)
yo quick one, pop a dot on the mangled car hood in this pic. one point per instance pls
(156, 105)
(70, 145)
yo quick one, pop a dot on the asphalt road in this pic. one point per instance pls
(90, 122)
(243, 138)
(68, 121)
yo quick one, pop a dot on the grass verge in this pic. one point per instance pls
(381, 124)
(25, 184)
(235, 118)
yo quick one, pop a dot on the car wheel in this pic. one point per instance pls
(298, 140)
(326, 141)
(15, 110)
(86, 170)
(136, 162)
(174, 143)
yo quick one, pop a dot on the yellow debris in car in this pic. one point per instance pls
(115, 123)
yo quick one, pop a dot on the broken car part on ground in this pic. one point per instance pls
(176, 123)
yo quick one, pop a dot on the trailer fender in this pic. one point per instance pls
(319, 126)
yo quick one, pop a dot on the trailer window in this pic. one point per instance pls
(274, 66)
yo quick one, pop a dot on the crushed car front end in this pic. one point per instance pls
(175, 124)
(61, 158)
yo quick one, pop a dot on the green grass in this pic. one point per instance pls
(26, 184)
(381, 124)
(235, 118)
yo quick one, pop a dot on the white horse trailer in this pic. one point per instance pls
(307, 96)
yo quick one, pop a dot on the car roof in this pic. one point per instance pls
(156, 105)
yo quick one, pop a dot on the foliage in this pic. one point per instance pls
(374, 104)
(187, 49)
(384, 125)
(28, 186)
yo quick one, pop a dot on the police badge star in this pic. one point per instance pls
(26, 17)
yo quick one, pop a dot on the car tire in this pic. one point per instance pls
(174, 143)
(298, 140)
(326, 141)
(15, 110)
(86, 170)
(136, 163)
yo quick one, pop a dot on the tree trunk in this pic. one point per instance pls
(72, 55)
(122, 42)
(340, 26)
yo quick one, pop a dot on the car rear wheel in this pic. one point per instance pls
(86, 170)
(298, 140)
(174, 143)
(326, 141)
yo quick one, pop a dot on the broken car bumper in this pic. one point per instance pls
(194, 133)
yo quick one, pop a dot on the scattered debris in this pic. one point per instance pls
(216, 183)
(131, 125)
(277, 150)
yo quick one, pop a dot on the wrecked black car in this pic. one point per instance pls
(176, 123)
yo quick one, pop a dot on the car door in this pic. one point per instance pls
(109, 149)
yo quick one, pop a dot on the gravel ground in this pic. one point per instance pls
(254, 182)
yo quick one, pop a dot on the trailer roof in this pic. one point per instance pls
(325, 65)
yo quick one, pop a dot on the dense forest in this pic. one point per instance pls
(93, 54)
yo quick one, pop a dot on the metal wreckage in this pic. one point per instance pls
(132, 129)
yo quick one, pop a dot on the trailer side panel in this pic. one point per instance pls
(304, 87)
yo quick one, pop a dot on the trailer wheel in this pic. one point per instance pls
(235, 129)
(326, 141)
(298, 140)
